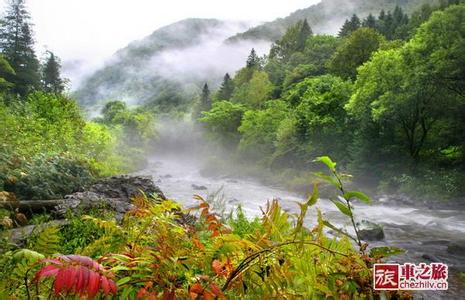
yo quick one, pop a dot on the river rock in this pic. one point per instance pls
(114, 193)
(370, 231)
(457, 248)
(125, 187)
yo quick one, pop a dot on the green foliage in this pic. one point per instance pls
(226, 90)
(80, 232)
(398, 91)
(51, 77)
(354, 51)
(45, 240)
(47, 177)
(49, 150)
(154, 253)
(258, 129)
(350, 26)
(293, 41)
(127, 135)
(17, 46)
(16, 266)
(241, 225)
(223, 120)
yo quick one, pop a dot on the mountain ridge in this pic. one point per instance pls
(326, 16)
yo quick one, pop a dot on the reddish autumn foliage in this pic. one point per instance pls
(214, 224)
(77, 275)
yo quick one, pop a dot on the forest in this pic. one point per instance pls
(382, 99)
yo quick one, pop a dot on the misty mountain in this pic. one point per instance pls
(325, 17)
(168, 67)
(169, 64)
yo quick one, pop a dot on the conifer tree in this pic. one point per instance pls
(205, 99)
(51, 79)
(370, 22)
(17, 46)
(227, 88)
(253, 60)
(304, 33)
(294, 40)
(350, 26)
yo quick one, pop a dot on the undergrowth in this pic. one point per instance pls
(154, 254)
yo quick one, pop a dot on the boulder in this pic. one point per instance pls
(114, 193)
(457, 248)
(125, 187)
(369, 231)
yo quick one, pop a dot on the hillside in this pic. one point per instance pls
(325, 17)
(154, 67)
(167, 68)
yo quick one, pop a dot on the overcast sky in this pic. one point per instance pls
(76, 29)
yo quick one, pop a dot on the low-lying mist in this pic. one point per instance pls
(182, 56)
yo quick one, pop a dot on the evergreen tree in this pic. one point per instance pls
(205, 99)
(294, 40)
(304, 33)
(51, 79)
(227, 88)
(350, 26)
(17, 46)
(370, 22)
(253, 60)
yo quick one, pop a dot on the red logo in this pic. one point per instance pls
(386, 276)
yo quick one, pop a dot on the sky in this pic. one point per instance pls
(84, 33)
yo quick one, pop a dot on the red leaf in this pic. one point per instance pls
(217, 291)
(47, 271)
(196, 288)
(93, 285)
(217, 267)
(141, 293)
(113, 287)
(83, 278)
(71, 278)
(204, 205)
(208, 296)
(105, 285)
(59, 281)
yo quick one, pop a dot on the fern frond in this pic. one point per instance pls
(47, 241)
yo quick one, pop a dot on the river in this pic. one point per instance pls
(424, 233)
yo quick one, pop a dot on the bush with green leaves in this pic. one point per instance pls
(47, 177)
(48, 149)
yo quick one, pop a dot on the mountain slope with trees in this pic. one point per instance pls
(326, 17)
(133, 75)
(384, 98)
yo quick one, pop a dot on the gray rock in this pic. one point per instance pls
(114, 193)
(430, 258)
(126, 187)
(457, 248)
(370, 231)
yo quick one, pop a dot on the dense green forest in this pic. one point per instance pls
(384, 98)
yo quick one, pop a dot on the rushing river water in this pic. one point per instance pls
(424, 233)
